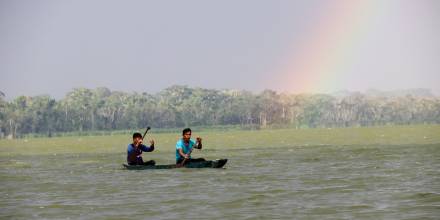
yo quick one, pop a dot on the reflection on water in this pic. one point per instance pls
(321, 182)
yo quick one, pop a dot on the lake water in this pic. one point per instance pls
(309, 182)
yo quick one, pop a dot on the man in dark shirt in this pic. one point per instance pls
(134, 151)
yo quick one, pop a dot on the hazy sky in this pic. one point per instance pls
(50, 47)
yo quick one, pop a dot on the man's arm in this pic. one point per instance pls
(182, 154)
(148, 149)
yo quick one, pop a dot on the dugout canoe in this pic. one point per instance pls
(219, 163)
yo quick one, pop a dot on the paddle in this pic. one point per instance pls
(145, 133)
(184, 160)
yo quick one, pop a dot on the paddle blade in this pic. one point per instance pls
(148, 128)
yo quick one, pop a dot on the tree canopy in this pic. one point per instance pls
(85, 109)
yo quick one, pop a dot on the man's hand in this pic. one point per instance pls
(138, 143)
(198, 143)
(151, 142)
(186, 156)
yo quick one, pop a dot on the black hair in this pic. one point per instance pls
(137, 135)
(186, 130)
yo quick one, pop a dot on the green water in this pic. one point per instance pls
(298, 182)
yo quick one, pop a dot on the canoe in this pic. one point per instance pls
(219, 163)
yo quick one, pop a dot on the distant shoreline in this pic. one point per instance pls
(85, 111)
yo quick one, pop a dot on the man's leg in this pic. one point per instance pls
(191, 160)
(150, 163)
(139, 161)
(196, 160)
(179, 161)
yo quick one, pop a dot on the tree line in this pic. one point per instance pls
(85, 109)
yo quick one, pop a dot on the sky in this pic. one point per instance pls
(50, 47)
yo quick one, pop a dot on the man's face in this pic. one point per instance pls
(187, 136)
(137, 140)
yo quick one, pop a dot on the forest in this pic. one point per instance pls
(83, 110)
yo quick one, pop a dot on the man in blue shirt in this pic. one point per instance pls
(184, 147)
(134, 151)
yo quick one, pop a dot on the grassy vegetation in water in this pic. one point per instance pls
(223, 140)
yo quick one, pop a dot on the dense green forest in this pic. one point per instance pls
(178, 106)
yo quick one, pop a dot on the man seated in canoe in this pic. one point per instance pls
(184, 147)
(134, 151)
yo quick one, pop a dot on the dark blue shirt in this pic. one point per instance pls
(134, 154)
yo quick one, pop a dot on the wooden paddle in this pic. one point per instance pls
(145, 133)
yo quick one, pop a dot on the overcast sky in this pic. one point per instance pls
(50, 47)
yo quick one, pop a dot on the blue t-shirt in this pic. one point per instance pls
(185, 148)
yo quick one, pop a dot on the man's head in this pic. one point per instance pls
(186, 133)
(137, 138)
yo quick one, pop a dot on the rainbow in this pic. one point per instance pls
(324, 55)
